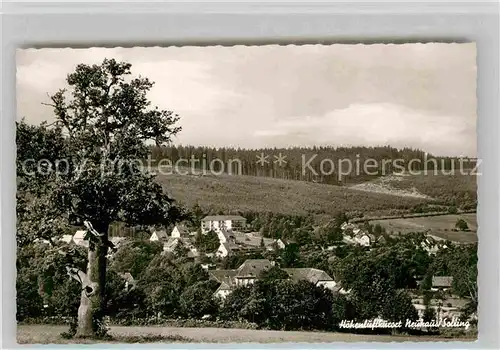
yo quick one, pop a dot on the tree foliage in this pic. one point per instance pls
(208, 242)
(103, 121)
(283, 304)
(462, 225)
(197, 299)
(135, 256)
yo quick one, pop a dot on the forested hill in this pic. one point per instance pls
(305, 164)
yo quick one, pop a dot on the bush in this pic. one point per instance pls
(462, 225)
(29, 302)
(197, 300)
(283, 304)
(190, 323)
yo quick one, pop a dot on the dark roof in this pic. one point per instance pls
(230, 246)
(442, 281)
(253, 267)
(183, 230)
(308, 274)
(161, 234)
(221, 276)
(227, 234)
(223, 286)
(223, 217)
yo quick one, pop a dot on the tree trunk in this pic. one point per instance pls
(90, 299)
(93, 302)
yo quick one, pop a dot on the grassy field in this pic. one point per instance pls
(49, 334)
(247, 193)
(440, 226)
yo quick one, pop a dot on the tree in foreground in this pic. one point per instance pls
(93, 176)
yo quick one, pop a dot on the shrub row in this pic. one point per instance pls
(152, 321)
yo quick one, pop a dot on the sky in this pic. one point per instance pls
(410, 95)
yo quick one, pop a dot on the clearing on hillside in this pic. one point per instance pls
(457, 189)
(441, 226)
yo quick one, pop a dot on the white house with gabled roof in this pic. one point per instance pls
(158, 236)
(179, 231)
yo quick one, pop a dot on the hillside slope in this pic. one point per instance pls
(457, 189)
(228, 193)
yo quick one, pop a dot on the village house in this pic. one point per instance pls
(441, 283)
(352, 234)
(223, 291)
(179, 231)
(66, 238)
(225, 236)
(357, 236)
(356, 231)
(362, 239)
(226, 280)
(79, 238)
(222, 222)
(171, 244)
(279, 243)
(246, 274)
(430, 248)
(159, 236)
(226, 249)
(315, 276)
(251, 269)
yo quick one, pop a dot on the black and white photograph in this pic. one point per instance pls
(247, 194)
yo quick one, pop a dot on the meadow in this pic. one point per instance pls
(231, 193)
(50, 334)
(441, 226)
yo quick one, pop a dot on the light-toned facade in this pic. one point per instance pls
(79, 238)
(280, 244)
(220, 223)
(66, 238)
(363, 239)
(171, 244)
(223, 291)
(223, 251)
(249, 272)
(158, 236)
(179, 231)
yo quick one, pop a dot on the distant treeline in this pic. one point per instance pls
(317, 164)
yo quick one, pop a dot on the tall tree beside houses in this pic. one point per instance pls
(103, 122)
